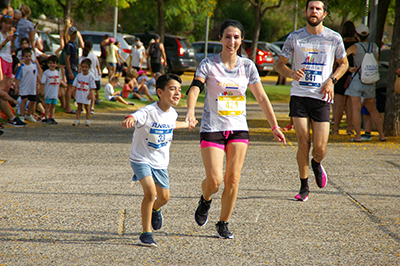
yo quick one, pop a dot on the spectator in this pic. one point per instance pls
(6, 49)
(138, 54)
(72, 63)
(84, 85)
(149, 82)
(120, 61)
(111, 95)
(25, 28)
(141, 87)
(127, 90)
(343, 102)
(94, 70)
(155, 52)
(112, 58)
(25, 83)
(12, 120)
(103, 47)
(357, 89)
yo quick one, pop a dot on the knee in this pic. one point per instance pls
(150, 196)
(304, 145)
(213, 184)
(319, 151)
(232, 182)
(163, 198)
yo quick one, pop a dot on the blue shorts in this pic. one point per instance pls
(136, 89)
(70, 81)
(51, 101)
(112, 64)
(160, 176)
(112, 99)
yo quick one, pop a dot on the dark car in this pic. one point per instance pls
(213, 48)
(180, 53)
(264, 57)
(381, 84)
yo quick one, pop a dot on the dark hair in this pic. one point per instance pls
(116, 43)
(156, 36)
(323, 1)
(24, 39)
(128, 79)
(164, 79)
(348, 29)
(88, 47)
(230, 22)
(106, 36)
(114, 79)
(52, 58)
(25, 51)
(86, 61)
(363, 37)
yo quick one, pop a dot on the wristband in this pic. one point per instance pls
(128, 116)
(275, 127)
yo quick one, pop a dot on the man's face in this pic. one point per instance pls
(17, 17)
(315, 13)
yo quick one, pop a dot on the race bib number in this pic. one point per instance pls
(159, 138)
(231, 105)
(311, 78)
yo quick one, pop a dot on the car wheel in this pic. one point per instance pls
(263, 73)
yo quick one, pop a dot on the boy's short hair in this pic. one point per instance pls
(52, 58)
(86, 61)
(26, 39)
(114, 79)
(163, 80)
(26, 51)
(128, 79)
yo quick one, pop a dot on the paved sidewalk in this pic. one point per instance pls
(63, 188)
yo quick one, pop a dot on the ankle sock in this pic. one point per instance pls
(304, 182)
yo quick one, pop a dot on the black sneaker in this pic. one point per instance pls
(303, 194)
(16, 122)
(320, 175)
(146, 239)
(53, 121)
(156, 219)
(46, 120)
(201, 214)
(223, 231)
(1, 132)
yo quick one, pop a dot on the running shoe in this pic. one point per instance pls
(1, 132)
(366, 137)
(87, 123)
(223, 231)
(146, 239)
(303, 194)
(143, 100)
(92, 111)
(76, 123)
(53, 121)
(320, 175)
(201, 214)
(30, 118)
(47, 121)
(288, 127)
(16, 122)
(156, 219)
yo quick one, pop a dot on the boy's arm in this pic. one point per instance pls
(182, 124)
(128, 122)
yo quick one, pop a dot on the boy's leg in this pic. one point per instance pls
(68, 94)
(22, 107)
(150, 192)
(31, 107)
(78, 111)
(162, 197)
(47, 110)
(87, 110)
(51, 111)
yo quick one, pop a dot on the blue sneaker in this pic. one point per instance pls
(146, 239)
(156, 219)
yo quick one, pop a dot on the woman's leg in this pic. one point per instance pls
(376, 118)
(356, 106)
(349, 114)
(213, 164)
(340, 103)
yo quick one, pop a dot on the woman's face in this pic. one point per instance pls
(231, 39)
(6, 26)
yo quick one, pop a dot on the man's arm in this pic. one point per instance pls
(282, 69)
(327, 88)
(164, 54)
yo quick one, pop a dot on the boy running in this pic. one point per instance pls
(149, 157)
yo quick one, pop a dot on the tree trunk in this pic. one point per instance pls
(256, 33)
(67, 9)
(383, 7)
(161, 19)
(391, 125)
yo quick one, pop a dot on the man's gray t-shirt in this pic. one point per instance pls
(315, 53)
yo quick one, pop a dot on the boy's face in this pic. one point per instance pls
(85, 68)
(27, 58)
(24, 44)
(171, 93)
(52, 65)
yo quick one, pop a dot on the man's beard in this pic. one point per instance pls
(314, 24)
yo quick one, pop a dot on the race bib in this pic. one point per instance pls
(311, 78)
(231, 105)
(159, 138)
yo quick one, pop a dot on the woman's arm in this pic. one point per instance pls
(193, 94)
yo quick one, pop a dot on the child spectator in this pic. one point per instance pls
(35, 53)
(84, 85)
(140, 88)
(127, 90)
(110, 95)
(50, 85)
(149, 82)
(72, 63)
(25, 82)
(149, 154)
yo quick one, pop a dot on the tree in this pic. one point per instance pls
(391, 125)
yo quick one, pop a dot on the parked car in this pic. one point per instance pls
(381, 85)
(179, 51)
(264, 57)
(281, 41)
(96, 37)
(214, 48)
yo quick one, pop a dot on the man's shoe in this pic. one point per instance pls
(201, 214)
(366, 137)
(146, 239)
(320, 175)
(16, 122)
(156, 219)
(223, 231)
(303, 194)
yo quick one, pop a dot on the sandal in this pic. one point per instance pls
(355, 140)
(334, 132)
(350, 132)
(383, 140)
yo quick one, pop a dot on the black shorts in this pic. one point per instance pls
(31, 98)
(156, 67)
(222, 138)
(98, 86)
(317, 110)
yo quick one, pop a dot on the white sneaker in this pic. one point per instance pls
(87, 123)
(76, 123)
(22, 118)
(30, 118)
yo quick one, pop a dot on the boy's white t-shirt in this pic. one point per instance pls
(51, 81)
(152, 136)
(83, 86)
(27, 76)
(108, 92)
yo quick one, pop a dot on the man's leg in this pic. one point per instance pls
(320, 140)
(303, 140)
